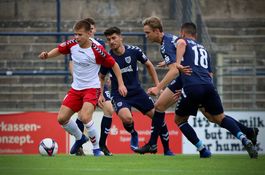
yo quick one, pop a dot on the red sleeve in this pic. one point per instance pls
(102, 56)
(64, 48)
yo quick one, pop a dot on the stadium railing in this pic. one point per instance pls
(66, 35)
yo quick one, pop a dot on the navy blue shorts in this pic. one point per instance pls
(193, 97)
(140, 100)
(175, 84)
(106, 93)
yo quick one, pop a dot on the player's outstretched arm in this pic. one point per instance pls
(184, 69)
(117, 72)
(161, 64)
(152, 72)
(53, 53)
(181, 48)
(170, 75)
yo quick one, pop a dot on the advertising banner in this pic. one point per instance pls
(21, 133)
(221, 141)
(119, 138)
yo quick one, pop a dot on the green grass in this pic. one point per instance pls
(131, 165)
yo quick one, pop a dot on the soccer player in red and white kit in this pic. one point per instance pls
(85, 90)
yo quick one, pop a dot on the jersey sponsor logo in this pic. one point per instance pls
(127, 69)
(82, 64)
(81, 52)
(128, 59)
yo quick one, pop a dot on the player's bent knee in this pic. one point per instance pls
(179, 120)
(126, 120)
(216, 119)
(61, 120)
(108, 112)
(160, 108)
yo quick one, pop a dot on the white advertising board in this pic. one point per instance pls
(219, 140)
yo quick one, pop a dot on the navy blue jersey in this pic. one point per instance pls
(198, 59)
(101, 41)
(168, 48)
(129, 69)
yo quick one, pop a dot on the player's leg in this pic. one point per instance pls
(162, 131)
(105, 126)
(80, 151)
(86, 117)
(191, 135)
(71, 127)
(251, 133)
(79, 122)
(214, 107)
(90, 100)
(123, 110)
(186, 106)
(126, 117)
(164, 101)
(70, 105)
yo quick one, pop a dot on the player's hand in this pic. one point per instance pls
(43, 55)
(101, 101)
(161, 64)
(153, 91)
(123, 90)
(176, 95)
(185, 69)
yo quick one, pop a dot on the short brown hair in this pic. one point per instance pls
(112, 30)
(153, 22)
(91, 21)
(82, 24)
(189, 28)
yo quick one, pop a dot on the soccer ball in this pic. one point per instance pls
(48, 147)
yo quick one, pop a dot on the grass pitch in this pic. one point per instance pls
(131, 165)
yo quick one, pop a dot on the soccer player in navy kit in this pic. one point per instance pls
(154, 32)
(198, 88)
(127, 57)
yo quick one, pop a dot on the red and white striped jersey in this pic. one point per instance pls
(86, 63)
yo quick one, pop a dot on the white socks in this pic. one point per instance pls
(93, 134)
(73, 129)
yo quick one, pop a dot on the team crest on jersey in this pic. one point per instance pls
(128, 59)
(119, 104)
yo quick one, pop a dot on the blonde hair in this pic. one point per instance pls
(153, 22)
